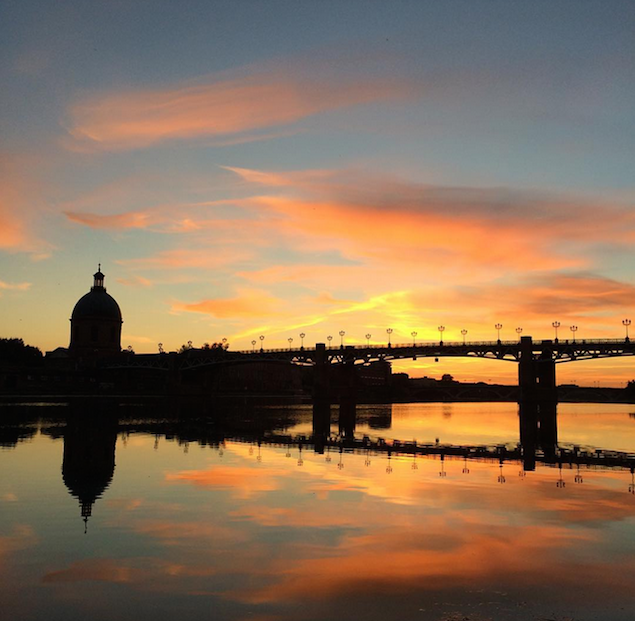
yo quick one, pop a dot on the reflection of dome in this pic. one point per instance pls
(89, 460)
(96, 322)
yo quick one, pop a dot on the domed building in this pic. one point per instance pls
(96, 322)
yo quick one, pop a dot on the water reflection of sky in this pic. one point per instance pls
(243, 532)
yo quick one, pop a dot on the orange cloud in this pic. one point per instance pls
(8, 286)
(221, 107)
(130, 220)
(187, 258)
(18, 195)
(250, 303)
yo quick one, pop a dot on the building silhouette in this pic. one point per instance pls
(96, 322)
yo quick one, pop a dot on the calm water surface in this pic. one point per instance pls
(136, 516)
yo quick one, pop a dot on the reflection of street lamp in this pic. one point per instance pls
(464, 332)
(342, 333)
(556, 325)
(262, 338)
(302, 335)
(414, 336)
(290, 339)
(253, 346)
(519, 331)
(498, 327)
(329, 339)
(626, 323)
(573, 329)
(441, 329)
(368, 340)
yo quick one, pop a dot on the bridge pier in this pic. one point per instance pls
(348, 397)
(321, 393)
(538, 400)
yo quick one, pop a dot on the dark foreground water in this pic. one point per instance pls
(135, 516)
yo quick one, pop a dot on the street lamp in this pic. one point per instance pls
(441, 329)
(626, 323)
(262, 338)
(223, 341)
(556, 325)
(329, 339)
(389, 332)
(368, 340)
(290, 339)
(342, 333)
(498, 327)
(414, 336)
(302, 335)
(253, 346)
(160, 348)
(464, 332)
(573, 329)
(519, 331)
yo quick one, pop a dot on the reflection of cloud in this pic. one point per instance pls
(22, 537)
(101, 570)
(173, 532)
(243, 482)
(221, 107)
(421, 559)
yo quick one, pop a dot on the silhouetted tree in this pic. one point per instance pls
(15, 351)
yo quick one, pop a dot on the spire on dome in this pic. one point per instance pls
(99, 278)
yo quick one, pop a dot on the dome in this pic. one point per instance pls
(97, 304)
(96, 322)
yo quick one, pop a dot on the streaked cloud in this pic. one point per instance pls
(219, 106)
(249, 303)
(8, 286)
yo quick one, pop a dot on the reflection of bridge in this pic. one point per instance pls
(536, 360)
(532, 449)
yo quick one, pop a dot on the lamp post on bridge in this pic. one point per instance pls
(302, 335)
(414, 336)
(253, 346)
(342, 333)
(441, 329)
(573, 329)
(290, 339)
(498, 327)
(368, 340)
(464, 332)
(224, 342)
(329, 338)
(262, 338)
(626, 323)
(161, 348)
(556, 325)
(519, 331)
(389, 332)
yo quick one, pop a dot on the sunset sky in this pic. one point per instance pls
(248, 168)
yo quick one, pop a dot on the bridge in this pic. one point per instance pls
(536, 360)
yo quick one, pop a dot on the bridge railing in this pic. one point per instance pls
(429, 345)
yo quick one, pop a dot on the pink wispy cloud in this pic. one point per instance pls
(221, 106)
